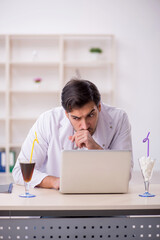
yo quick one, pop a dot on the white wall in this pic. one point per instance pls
(136, 25)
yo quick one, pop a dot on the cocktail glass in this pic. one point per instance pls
(146, 165)
(27, 169)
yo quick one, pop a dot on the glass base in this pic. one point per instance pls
(146, 194)
(27, 195)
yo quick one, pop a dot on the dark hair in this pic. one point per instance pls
(77, 92)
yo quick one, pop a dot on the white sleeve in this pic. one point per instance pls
(39, 152)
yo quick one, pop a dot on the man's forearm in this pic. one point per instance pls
(50, 182)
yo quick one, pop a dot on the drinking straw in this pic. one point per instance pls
(147, 139)
(36, 139)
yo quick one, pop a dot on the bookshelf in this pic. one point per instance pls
(54, 59)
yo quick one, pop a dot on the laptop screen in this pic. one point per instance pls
(95, 171)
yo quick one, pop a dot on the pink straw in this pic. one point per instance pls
(147, 139)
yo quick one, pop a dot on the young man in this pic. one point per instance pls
(82, 122)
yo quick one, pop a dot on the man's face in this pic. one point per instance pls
(85, 118)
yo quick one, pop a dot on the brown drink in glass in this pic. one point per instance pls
(27, 169)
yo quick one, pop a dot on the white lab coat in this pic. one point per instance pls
(53, 129)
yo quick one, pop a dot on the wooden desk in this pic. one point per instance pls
(80, 216)
(49, 202)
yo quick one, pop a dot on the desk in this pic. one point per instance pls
(80, 216)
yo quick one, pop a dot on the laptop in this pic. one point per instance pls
(95, 171)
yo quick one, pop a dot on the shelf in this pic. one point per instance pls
(2, 91)
(2, 146)
(87, 64)
(34, 49)
(23, 78)
(84, 37)
(37, 64)
(31, 105)
(2, 64)
(55, 59)
(79, 48)
(23, 118)
(19, 131)
(15, 145)
(40, 91)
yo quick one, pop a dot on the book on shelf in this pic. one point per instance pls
(12, 159)
(2, 162)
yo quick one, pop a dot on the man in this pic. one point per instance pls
(82, 122)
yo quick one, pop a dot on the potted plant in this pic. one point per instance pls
(37, 82)
(96, 52)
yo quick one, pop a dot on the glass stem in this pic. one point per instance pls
(146, 184)
(26, 184)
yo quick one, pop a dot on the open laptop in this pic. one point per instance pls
(95, 171)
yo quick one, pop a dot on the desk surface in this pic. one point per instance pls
(52, 200)
(49, 201)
